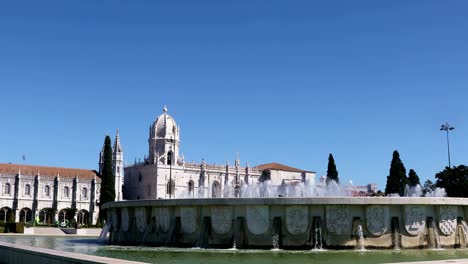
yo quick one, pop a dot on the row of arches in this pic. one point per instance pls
(215, 188)
(45, 216)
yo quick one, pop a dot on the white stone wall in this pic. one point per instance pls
(18, 198)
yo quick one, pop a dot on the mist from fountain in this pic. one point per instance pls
(256, 189)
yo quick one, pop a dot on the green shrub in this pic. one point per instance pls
(14, 228)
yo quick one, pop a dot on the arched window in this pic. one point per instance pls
(47, 191)
(169, 158)
(216, 189)
(66, 192)
(170, 186)
(191, 186)
(27, 189)
(84, 193)
(7, 188)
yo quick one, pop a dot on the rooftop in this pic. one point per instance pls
(279, 166)
(33, 170)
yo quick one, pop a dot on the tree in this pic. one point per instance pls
(428, 186)
(266, 175)
(107, 179)
(413, 178)
(454, 180)
(332, 173)
(396, 180)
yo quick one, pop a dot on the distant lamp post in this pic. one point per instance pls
(446, 127)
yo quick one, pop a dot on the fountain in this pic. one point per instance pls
(304, 216)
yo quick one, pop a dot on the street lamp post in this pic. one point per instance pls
(446, 127)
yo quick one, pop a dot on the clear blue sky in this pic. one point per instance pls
(276, 81)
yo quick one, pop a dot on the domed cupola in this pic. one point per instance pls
(164, 140)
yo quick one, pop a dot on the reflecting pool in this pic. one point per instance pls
(92, 246)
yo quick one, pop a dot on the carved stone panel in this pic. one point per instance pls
(140, 214)
(447, 219)
(221, 219)
(162, 218)
(258, 219)
(377, 219)
(114, 219)
(415, 219)
(297, 219)
(338, 219)
(188, 217)
(125, 220)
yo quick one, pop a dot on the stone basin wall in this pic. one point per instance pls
(328, 222)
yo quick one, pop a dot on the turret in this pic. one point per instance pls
(117, 166)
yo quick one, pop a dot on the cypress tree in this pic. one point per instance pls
(332, 173)
(107, 178)
(397, 179)
(413, 178)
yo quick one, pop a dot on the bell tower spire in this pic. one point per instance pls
(117, 166)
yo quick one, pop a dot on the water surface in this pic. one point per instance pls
(163, 255)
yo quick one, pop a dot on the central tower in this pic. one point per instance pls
(164, 140)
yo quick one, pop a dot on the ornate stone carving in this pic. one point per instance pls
(140, 214)
(162, 218)
(188, 216)
(124, 215)
(338, 219)
(221, 219)
(297, 219)
(415, 219)
(258, 219)
(447, 219)
(377, 219)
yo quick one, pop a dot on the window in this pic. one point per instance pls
(169, 158)
(84, 193)
(47, 191)
(191, 186)
(170, 186)
(66, 192)
(7, 188)
(27, 189)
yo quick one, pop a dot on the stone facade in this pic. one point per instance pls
(43, 193)
(165, 174)
(37, 192)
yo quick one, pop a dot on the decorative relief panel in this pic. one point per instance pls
(447, 219)
(221, 219)
(377, 219)
(162, 218)
(188, 217)
(415, 219)
(297, 219)
(140, 214)
(125, 222)
(338, 219)
(114, 219)
(258, 219)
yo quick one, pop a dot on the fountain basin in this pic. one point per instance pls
(331, 222)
